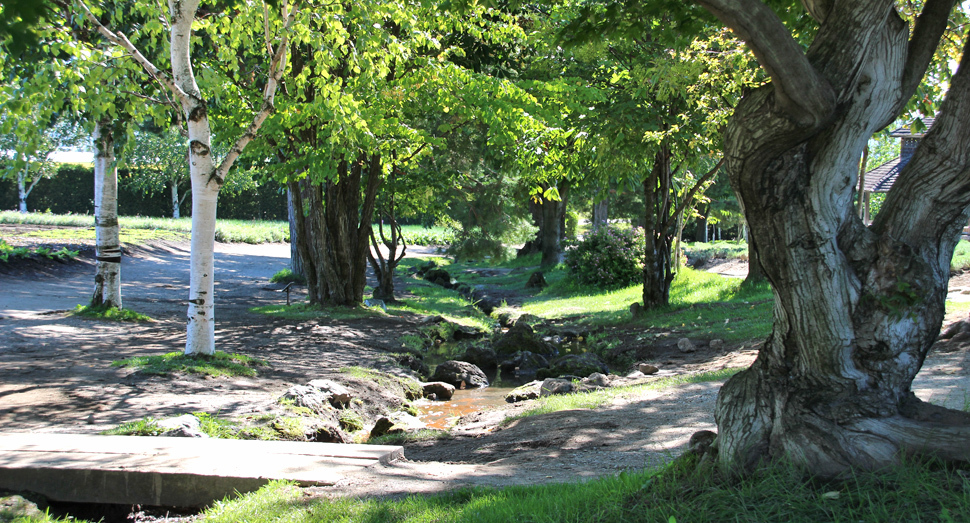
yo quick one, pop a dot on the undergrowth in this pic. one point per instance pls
(111, 314)
(218, 364)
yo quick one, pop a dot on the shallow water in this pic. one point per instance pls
(442, 414)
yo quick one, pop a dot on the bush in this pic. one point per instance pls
(572, 224)
(608, 258)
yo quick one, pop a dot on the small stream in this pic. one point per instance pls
(441, 415)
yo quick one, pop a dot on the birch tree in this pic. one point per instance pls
(207, 174)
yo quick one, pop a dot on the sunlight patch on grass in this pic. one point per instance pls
(218, 364)
(111, 314)
(305, 311)
(596, 398)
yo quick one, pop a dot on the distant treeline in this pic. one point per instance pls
(72, 191)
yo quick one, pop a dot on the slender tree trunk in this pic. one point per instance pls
(856, 308)
(175, 200)
(22, 190)
(107, 279)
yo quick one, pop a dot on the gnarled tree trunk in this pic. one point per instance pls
(107, 278)
(657, 273)
(856, 308)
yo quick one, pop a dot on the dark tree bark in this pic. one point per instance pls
(550, 233)
(756, 275)
(601, 211)
(657, 272)
(296, 261)
(856, 308)
(333, 222)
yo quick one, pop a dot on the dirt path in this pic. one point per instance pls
(56, 376)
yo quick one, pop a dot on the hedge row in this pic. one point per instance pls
(72, 191)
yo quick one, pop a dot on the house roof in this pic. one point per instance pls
(881, 178)
(906, 130)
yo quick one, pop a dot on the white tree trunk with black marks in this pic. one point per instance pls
(107, 279)
(207, 177)
(856, 308)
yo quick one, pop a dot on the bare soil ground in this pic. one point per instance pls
(56, 374)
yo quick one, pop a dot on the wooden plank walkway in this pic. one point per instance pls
(176, 472)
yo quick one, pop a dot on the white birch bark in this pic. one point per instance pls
(207, 178)
(22, 190)
(175, 201)
(107, 279)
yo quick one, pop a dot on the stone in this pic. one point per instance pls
(536, 281)
(575, 365)
(423, 269)
(16, 507)
(384, 426)
(415, 362)
(700, 442)
(324, 431)
(554, 386)
(439, 277)
(461, 374)
(523, 365)
(308, 396)
(185, 426)
(636, 310)
(463, 332)
(481, 355)
(439, 389)
(337, 393)
(597, 379)
(648, 369)
(685, 345)
(529, 391)
(717, 345)
(375, 303)
(520, 337)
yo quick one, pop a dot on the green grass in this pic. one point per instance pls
(8, 252)
(596, 398)
(961, 256)
(287, 276)
(229, 231)
(701, 304)
(142, 427)
(728, 250)
(218, 364)
(111, 314)
(410, 437)
(908, 493)
(305, 311)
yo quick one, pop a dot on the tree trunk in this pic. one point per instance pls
(175, 201)
(551, 232)
(601, 212)
(856, 308)
(756, 275)
(107, 279)
(657, 273)
(384, 266)
(296, 261)
(700, 233)
(22, 190)
(336, 231)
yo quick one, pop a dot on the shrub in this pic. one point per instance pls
(608, 258)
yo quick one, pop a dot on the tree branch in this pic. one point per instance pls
(799, 89)
(929, 28)
(276, 68)
(122, 41)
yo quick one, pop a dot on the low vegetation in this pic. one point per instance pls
(111, 314)
(597, 398)
(8, 253)
(218, 364)
(229, 231)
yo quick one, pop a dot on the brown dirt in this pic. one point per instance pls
(56, 375)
